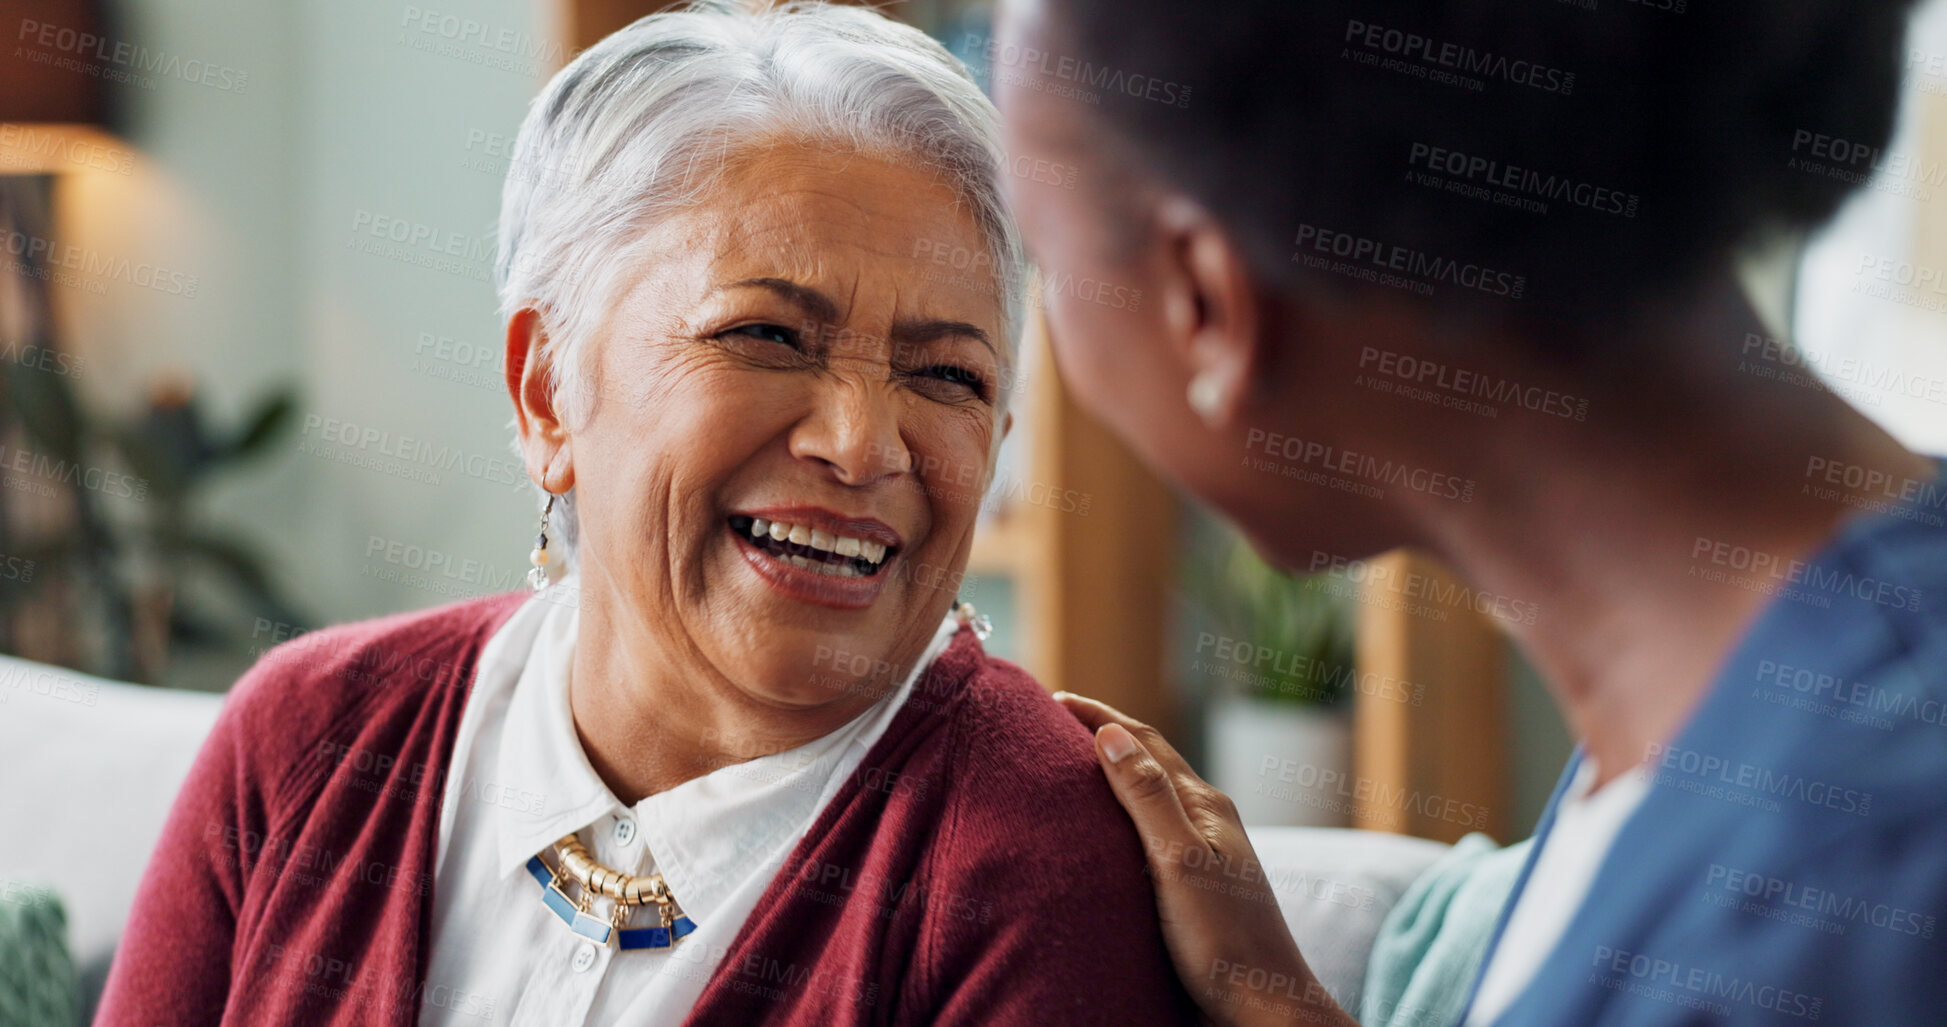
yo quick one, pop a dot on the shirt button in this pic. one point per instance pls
(584, 957)
(624, 831)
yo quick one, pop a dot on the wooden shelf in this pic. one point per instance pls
(998, 547)
(1454, 744)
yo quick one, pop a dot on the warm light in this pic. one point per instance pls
(53, 148)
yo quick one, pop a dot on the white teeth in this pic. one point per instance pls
(828, 569)
(820, 539)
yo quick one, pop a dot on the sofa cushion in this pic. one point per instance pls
(1335, 887)
(37, 984)
(96, 765)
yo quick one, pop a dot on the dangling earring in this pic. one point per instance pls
(965, 613)
(1206, 396)
(538, 577)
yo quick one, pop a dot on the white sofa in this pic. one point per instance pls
(92, 765)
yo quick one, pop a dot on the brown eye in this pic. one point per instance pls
(768, 333)
(958, 376)
(948, 383)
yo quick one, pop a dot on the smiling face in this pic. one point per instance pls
(779, 469)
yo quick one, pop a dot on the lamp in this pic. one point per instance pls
(53, 111)
(54, 108)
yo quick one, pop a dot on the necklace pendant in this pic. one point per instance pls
(624, 892)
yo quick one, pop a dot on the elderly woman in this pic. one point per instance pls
(739, 766)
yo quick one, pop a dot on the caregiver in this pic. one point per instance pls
(1496, 204)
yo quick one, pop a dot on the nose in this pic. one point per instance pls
(853, 428)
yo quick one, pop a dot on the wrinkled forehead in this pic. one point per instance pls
(878, 238)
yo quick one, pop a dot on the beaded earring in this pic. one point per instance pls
(965, 613)
(538, 577)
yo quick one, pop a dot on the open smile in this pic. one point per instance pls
(816, 556)
(813, 549)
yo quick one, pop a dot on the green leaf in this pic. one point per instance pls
(270, 420)
(49, 409)
(245, 570)
(152, 463)
(188, 628)
(46, 560)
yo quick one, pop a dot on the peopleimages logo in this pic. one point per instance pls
(1063, 68)
(1360, 253)
(1377, 576)
(1352, 465)
(1694, 987)
(129, 57)
(1824, 902)
(1687, 768)
(36, 251)
(1515, 178)
(1773, 569)
(18, 142)
(1458, 57)
(416, 459)
(1433, 374)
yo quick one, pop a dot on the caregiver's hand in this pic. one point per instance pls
(1220, 916)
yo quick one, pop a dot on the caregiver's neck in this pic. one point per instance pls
(1607, 526)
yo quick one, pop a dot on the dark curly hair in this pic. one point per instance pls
(1593, 153)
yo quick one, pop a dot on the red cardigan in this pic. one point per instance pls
(975, 870)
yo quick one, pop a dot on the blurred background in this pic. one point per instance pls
(252, 385)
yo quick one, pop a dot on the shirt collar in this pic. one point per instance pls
(540, 753)
(707, 835)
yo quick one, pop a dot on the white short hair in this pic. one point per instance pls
(642, 122)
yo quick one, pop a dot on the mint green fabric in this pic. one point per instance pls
(1431, 944)
(37, 980)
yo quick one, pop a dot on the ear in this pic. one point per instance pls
(1210, 308)
(544, 437)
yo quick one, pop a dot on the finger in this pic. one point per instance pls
(1147, 793)
(1094, 714)
(1210, 810)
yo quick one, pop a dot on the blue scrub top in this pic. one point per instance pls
(1789, 863)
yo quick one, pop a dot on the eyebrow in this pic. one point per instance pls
(824, 308)
(935, 328)
(810, 300)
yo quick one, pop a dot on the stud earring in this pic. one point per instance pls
(538, 577)
(1206, 396)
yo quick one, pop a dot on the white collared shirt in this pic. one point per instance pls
(519, 781)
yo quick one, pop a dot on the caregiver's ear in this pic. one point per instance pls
(537, 419)
(1209, 307)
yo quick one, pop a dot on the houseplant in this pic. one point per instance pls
(1277, 656)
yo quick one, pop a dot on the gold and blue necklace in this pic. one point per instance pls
(624, 892)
